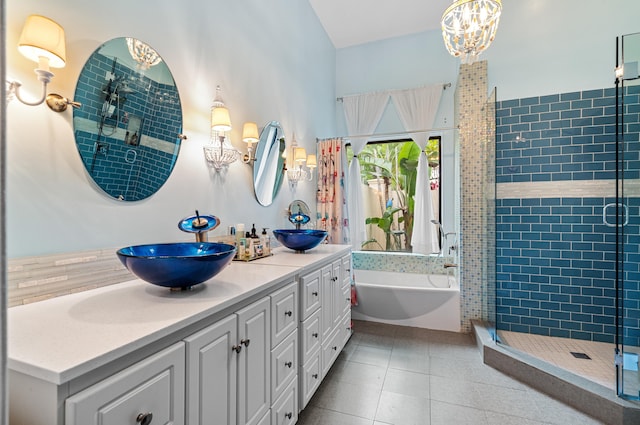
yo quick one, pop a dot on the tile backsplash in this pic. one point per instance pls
(32, 279)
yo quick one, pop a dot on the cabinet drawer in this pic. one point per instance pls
(284, 364)
(154, 386)
(284, 313)
(345, 300)
(345, 328)
(310, 293)
(310, 330)
(311, 378)
(330, 350)
(285, 410)
(346, 270)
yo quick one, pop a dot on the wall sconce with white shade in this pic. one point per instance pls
(42, 41)
(250, 136)
(302, 165)
(219, 153)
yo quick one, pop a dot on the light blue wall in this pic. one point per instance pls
(273, 61)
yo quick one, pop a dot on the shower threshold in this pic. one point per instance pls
(595, 399)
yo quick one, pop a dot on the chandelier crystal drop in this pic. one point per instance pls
(143, 54)
(469, 27)
(219, 153)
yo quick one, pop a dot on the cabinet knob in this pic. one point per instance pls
(334, 278)
(314, 376)
(315, 334)
(348, 270)
(289, 415)
(314, 293)
(288, 364)
(144, 418)
(288, 313)
(334, 348)
(348, 298)
(237, 348)
(245, 342)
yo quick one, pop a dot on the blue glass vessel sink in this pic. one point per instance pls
(300, 239)
(176, 265)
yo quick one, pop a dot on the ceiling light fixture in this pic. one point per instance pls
(143, 54)
(469, 27)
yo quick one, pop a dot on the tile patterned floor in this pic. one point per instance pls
(391, 375)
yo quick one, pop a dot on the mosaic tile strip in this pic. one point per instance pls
(476, 140)
(33, 279)
(400, 262)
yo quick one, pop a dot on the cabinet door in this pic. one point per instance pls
(212, 374)
(310, 290)
(254, 377)
(284, 313)
(328, 284)
(152, 388)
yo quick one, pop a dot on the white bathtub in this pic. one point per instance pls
(408, 299)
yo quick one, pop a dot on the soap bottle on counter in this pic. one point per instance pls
(266, 242)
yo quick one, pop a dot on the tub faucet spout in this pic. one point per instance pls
(449, 265)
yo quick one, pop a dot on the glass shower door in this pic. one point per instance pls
(627, 219)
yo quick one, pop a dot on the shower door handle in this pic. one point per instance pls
(625, 210)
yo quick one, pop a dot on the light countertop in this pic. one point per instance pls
(63, 338)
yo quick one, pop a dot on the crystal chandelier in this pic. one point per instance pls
(219, 153)
(143, 54)
(469, 27)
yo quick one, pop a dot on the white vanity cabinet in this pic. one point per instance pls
(228, 369)
(244, 349)
(325, 327)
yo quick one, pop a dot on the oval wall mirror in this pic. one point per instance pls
(128, 130)
(268, 167)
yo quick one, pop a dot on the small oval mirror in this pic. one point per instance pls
(128, 130)
(268, 167)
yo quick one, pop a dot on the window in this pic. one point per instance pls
(389, 170)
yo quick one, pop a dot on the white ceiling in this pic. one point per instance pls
(352, 22)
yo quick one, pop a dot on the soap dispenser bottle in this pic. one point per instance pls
(265, 241)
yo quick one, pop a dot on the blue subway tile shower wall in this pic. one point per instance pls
(555, 258)
(556, 268)
(568, 136)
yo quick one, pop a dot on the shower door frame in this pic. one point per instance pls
(624, 362)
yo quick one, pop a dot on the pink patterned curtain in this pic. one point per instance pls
(331, 204)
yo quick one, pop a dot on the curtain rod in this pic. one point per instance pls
(444, 87)
(398, 133)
